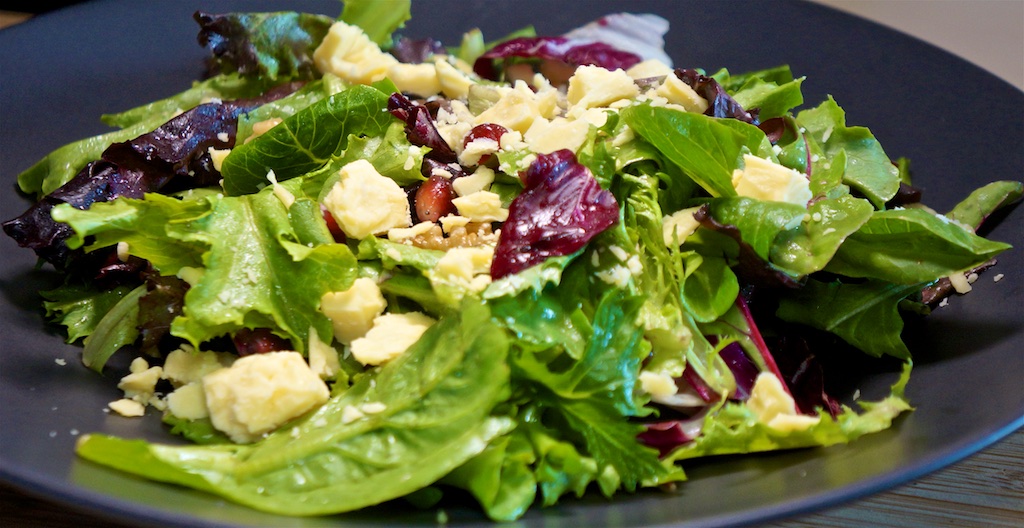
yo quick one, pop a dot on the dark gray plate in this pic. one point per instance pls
(960, 125)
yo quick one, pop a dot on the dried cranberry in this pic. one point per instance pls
(560, 210)
(332, 226)
(258, 341)
(492, 131)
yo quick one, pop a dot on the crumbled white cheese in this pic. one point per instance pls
(140, 383)
(217, 157)
(480, 180)
(401, 234)
(678, 92)
(364, 203)
(127, 408)
(188, 402)
(482, 206)
(762, 179)
(186, 365)
(658, 384)
(451, 222)
(462, 266)
(259, 393)
(774, 407)
(453, 82)
(353, 311)
(545, 137)
(346, 51)
(594, 86)
(323, 358)
(373, 407)
(998, 277)
(676, 227)
(392, 334)
(518, 107)
(350, 414)
(419, 79)
(960, 283)
(122, 251)
(60, 362)
(648, 69)
(286, 196)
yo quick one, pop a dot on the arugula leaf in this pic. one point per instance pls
(306, 140)
(438, 398)
(865, 315)
(909, 246)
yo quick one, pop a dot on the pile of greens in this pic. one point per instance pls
(528, 390)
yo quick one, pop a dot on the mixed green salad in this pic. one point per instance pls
(357, 267)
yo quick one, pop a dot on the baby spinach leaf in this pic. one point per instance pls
(759, 222)
(868, 168)
(437, 398)
(809, 247)
(705, 149)
(307, 140)
(709, 287)
(909, 246)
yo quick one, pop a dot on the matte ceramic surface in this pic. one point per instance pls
(960, 126)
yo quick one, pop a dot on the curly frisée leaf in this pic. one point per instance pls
(437, 401)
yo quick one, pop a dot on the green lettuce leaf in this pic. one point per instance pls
(438, 398)
(80, 308)
(117, 328)
(306, 140)
(984, 201)
(378, 21)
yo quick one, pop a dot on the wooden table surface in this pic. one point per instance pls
(984, 490)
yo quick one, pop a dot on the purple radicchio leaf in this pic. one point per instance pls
(667, 435)
(804, 375)
(420, 128)
(720, 103)
(570, 51)
(270, 45)
(416, 51)
(743, 369)
(561, 208)
(178, 149)
(642, 34)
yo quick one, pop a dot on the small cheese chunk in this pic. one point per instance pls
(140, 384)
(217, 157)
(658, 385)
(346, 51)
(483, 206)
(649, 68)
(364, 203)
(476, 149)
(392, 334)
(480, 180)
(764, 180)
(677, 92)
(352, 311)
(594, 86)
(259, 393)
(452, 81)
(323, 358)
(419, 79)
(462, 264)
(545, 137)
(519, 106)
(679, 225)
(188, 402)
(185, 365)
(774, 407)
(127, 408)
